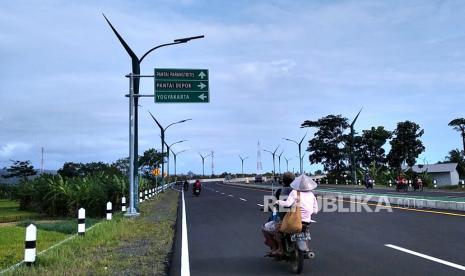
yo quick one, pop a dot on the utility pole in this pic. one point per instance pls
(42, 161)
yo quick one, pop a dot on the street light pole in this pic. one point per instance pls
(242, 161)
(168, 148)
(299, 145)
(162, 135)
(273, 153)
(175, 157)
(352, 154)
(279, 161)
(287, 163)
(203, 162)
(134, 80)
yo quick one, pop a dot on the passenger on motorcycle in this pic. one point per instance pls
(269, 229)
(308, 202)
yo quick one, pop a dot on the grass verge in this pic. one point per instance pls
(48, 233)
(121, 246)
(9, 211)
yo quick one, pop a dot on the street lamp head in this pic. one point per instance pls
(182, 121)
(186, 39)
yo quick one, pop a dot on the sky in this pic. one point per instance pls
(272, 65)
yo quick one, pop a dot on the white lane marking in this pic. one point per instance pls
(185, 270)
(426, 257)
(222, 193)
(242, 199)
(230, 195)
(313, 221)
(261, 205)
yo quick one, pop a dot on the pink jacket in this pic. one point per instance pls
(308, 204)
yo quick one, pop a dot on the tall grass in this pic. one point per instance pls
(55, 195)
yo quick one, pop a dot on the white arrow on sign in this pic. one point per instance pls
(202, 75)
(203, 97)
(201, 85)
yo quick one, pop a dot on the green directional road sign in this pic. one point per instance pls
(181, 86)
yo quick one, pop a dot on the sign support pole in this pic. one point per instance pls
(132, 189)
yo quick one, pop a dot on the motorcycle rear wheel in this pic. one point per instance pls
(297, 261)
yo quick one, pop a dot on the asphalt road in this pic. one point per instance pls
(223, 227)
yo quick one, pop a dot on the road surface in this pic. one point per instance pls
(224, 238)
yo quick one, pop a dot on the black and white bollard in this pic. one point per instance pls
(390, 183)
(151, 193)
(146, 194)
(109, 208)
(141, 197)
(30, 245)
(123, 204)
(435, 183)
(81, 221)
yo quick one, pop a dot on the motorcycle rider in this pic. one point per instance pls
(197, 184)
(308, 202)
(186, 185)
(368, 180)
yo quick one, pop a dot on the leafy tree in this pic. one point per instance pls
(122, 165)
(406, 145)
(150, 159)
(70, 170)
(21, 169)
(459, 125)
(328, 144)
(370, 147)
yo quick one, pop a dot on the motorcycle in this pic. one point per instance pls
(401, 185)
(369, 184)
(196, 191)
(186, 186)
(418, 185)
(296, 248)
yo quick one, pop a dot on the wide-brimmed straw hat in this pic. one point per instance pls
(303, 183)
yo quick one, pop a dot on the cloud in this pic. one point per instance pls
(14, 148)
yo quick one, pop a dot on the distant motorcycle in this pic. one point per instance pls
(196, 191)
(196, 188)
(369, 183)
(186, 186)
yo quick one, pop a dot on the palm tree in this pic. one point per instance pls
(459, 125)
(456, 156)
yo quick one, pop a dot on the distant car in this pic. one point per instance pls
(258, 179)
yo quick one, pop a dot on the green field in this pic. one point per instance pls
(9, 212)
(120, 246)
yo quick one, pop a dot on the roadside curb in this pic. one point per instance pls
(174, 262)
